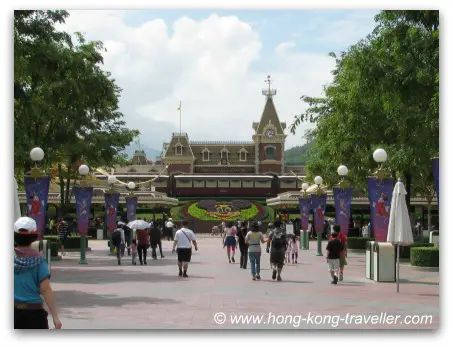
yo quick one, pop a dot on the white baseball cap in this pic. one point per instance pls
(25, 223)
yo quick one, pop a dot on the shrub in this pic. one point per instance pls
(425, 256)
(358, 242)
(405, 251)
(53, 249)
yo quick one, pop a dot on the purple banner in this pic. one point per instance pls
(83, 197)
(436, 177)
(304, 206)
(318, 203)
(343, 198)
(111, 209)
(131, 205)
(37, 191)
(380, 196)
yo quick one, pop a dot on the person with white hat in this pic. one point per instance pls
(31, 280)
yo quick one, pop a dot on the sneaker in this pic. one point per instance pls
(254, 278)
(184, 274)
(340, 277)
(335, 280)
(180, 272)
(258, 277)
(162, 256)
(233, 259)
(279, 278)
(274, 274)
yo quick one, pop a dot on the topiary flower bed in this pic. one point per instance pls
(425, 256)
(211, 210)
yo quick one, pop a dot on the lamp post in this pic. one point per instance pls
(318, 181)
(131, 206)
(37, 187)
(83, 171)
(111, 180)
(304, 241)
(380, 190)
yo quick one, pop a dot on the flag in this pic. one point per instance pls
(380, 196)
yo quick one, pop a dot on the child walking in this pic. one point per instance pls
(133, 249)
(334, 248)
(294, 249)
(288, 251)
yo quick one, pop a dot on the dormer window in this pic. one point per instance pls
(224, 153)
(205, 154)
(178, 149)
(243, 154)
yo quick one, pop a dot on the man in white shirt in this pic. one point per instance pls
(184, 238)
(169, 226)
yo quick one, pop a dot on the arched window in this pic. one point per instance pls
(243, 154)
(269, 153)
(205, 153)
(224, 153)
(178, 149)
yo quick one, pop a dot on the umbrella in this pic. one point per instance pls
(400, 230)
(17, 212)
(138, 224)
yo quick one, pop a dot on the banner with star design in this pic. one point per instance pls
(380, 196)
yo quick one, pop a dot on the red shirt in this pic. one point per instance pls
(142, 237)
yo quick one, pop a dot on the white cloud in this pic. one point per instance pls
(207, 65)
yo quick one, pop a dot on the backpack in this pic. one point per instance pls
(116, 237)
(278, 240)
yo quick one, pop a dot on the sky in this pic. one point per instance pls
(216, 62)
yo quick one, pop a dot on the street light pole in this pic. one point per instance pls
(304, 244)
(318, 182)
(83, 171)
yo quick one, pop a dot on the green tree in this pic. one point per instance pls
(384, 94)
(70, 110)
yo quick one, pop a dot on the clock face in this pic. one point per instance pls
(270, 133)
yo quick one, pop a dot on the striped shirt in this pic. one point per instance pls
(63, 230)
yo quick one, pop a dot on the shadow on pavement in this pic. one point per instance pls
(113, 276)
(72, 299)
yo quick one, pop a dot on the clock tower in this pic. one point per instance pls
(269, 137)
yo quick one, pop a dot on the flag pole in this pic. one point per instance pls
(180, 119)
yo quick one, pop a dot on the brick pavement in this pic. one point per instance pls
(103, 295)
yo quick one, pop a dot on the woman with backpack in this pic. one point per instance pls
(243, 246)
(276, 244)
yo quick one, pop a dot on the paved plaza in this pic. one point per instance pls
(103, 295)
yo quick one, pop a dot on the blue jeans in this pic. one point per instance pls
(255, 259)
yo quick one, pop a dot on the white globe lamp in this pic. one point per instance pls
(131, 185)
(37, 154)
(84, 170)
(111, 179)
(305, 186)
(342, 170)
(318, 180)
(380, 155)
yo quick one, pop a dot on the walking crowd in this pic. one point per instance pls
(31, 272)
(283, 248)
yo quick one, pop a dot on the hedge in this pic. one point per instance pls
(358, 242)
(54, 249)
(72, 242)
(405, 251)
(425, 256)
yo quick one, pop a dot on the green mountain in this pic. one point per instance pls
(297, 155)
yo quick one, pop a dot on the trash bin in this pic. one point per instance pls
(100, 234)
(369, 250)
(384, 262)
(434, 238)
